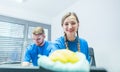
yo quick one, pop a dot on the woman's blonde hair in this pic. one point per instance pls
(67, 15)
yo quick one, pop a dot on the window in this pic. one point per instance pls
(11, 41)
(15, 35)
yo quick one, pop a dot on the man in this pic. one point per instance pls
(39, 47)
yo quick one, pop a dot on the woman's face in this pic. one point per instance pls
(70, 25)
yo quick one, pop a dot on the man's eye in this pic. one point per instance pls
(38, 39)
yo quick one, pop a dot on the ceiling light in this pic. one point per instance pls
(20, 1)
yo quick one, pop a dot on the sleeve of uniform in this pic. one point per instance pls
(60, 43)
(27, 56)
(57, 44)
(52, 47)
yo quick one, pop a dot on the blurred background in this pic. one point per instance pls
(99, 25)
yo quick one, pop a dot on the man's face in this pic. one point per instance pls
(38, 39)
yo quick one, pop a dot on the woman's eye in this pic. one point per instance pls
(73, 23)
(66, 24)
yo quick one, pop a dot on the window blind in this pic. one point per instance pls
(11, 42)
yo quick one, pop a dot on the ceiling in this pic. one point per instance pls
(45, 8)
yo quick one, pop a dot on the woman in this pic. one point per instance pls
(71, 40)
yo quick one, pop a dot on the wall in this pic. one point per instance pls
(99, 25)
(22, 11)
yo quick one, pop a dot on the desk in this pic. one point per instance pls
(18, 68)
(92, 69)
(97, 69)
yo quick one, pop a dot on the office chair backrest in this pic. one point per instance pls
(92, 60)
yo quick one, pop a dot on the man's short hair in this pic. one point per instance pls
(38, 30)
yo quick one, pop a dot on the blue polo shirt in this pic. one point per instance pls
(72, 45)
(32, 52)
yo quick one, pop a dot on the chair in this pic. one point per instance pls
(97, 69)
(92, 60)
